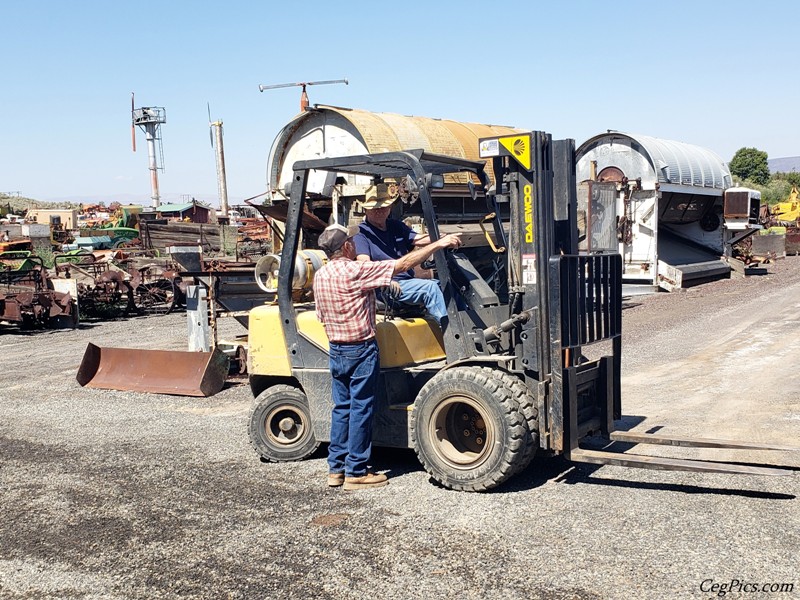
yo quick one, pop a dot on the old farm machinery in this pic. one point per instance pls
(28, 297)
(127, 286)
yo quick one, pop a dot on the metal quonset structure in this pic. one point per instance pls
(658, 202)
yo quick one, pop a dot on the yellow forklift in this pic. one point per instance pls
(529, 362)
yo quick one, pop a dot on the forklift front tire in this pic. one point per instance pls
(280, 425)
(467, 428)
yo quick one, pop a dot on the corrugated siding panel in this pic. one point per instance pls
(377, 134)
(442, 140)
(408, 133)
(685, 164)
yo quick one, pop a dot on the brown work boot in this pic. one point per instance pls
(370, 480)
(335, 479)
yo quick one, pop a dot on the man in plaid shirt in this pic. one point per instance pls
(344, 292)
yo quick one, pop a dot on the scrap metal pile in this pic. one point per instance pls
(117, 284)
(86, 285)
(27, 295)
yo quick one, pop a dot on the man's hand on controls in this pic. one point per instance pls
(418, 255)
(451, 240)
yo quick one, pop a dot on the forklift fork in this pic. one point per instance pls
(602, 457)
(586, 298)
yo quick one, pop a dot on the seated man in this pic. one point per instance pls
(382, 238)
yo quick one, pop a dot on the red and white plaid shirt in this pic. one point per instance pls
(344, 292)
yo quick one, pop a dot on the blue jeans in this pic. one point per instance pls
(421, 292)
(354, 368)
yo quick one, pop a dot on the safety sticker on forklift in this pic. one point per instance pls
(529, 269)
(489, 148)
(518, 146)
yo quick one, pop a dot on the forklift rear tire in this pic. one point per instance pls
(468, 430)
(280, 425)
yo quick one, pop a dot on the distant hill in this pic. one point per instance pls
(18, 204)
(142, 199)
(784, 165)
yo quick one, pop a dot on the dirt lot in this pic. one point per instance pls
(117, 495)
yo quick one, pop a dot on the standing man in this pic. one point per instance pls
(382, 238)
(344, 292)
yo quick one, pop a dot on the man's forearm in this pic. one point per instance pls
(419, 255)
(422, 240)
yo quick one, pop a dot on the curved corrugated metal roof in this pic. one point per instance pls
(373, 132)
(675, 163)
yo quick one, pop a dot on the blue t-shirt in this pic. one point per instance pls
(396, 241)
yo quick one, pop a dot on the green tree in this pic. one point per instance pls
(750, 163)
(777, 190)
(793, 177)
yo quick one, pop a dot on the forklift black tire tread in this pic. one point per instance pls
(527, 406)
(280, 426)
(446, 428)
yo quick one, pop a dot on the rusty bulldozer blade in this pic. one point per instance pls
(155, 371)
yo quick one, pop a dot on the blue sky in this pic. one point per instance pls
(722, 75)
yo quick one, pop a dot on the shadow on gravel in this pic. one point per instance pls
(234, 381)
(540, 471)
(15, 330)
(85, 324)
(319, 453)
(570, 478)
(627, 303)
(398, 461)
(582, 473)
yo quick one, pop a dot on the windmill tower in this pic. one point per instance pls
(215, 133)
(149, 120)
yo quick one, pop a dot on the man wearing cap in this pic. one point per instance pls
(344, 292)
(383, 238)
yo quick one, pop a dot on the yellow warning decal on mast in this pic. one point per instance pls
(518, 146)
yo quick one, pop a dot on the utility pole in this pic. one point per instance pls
(215, 134)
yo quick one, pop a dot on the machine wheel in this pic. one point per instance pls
(468, 430)
(280, 425)
(156, 298)
(527, 406)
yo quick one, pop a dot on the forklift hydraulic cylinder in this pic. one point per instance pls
(492, 334)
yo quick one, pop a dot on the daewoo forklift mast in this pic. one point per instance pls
(528, 362)
(578, 299)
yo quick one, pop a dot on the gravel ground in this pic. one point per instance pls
(117, 495)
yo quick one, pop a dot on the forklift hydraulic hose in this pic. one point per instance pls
(492, 334)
